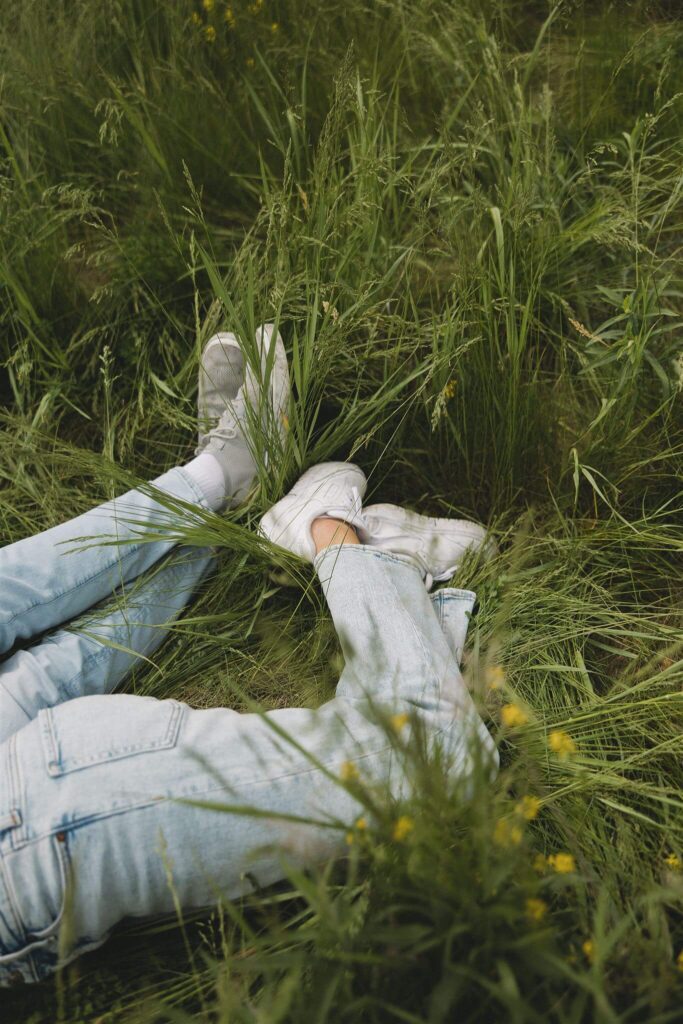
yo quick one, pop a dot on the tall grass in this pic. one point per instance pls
(467, 220)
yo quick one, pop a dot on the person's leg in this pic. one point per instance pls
(93, 788)
(50, 578)
(453, 608)
(94, 654)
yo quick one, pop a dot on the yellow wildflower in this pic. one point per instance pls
(210, 34)
(563, 863)
(561, 743)
(362, 824)
(679, 961)
(513, 716)
(507, 834)
(673, 862)
(229, 17)
(403, 827)
(536, 909)
(528, 807)
(495, 677)
(348, 772)
(250, 62)
(588, 948)
(208, 5)
(196, 18)
(274, 26)
(255, 7)
(399, 721)
(539, 863)
(349, 838)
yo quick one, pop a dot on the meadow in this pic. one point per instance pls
(466, 217)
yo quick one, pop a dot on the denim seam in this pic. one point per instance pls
(12, 904)
(14, 700)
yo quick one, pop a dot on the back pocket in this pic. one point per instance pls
(91, 730)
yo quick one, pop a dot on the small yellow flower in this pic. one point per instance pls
(536, 909)
(196, 18)
(588, 948)
(539, 863)
(563, 863)
(285, 420)
(679, 961)
(250, 62)
(210, 34)
(229, 17)
(208, 5)
(255, 7)
(561, 743)
(403, 827)
(495, 677)
(350, 838)
(399, 722)
(449, 389)
(274, 27)
(673, 862)
(507, 834)
(528, 807)
(362, 824)
(348, 772)
(513, 716)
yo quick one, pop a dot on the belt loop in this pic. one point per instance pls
(10, 820)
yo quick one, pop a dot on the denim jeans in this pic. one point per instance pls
(110, 803)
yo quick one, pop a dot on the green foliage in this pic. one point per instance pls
(466, 218)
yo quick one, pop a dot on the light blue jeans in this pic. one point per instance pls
(108, 801)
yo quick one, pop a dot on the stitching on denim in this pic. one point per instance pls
(12, 905)
(167, 742)
(14, 700)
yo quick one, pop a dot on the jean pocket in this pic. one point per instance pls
(36, 876)
(92, 730)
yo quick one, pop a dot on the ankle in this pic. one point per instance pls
(326, 531)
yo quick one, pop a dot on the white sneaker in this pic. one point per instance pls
(270, 389)
(435, 545)
(334, 489)
(259, 407)
(221, 375)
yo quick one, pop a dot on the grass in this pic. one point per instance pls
(467, 219)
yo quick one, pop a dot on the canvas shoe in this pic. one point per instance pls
(269, 391)
(333, 489)
(436, 546)
(260, 403)
(221, 375)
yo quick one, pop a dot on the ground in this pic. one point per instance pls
(466, 218)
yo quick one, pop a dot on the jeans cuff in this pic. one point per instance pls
(364, 551)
